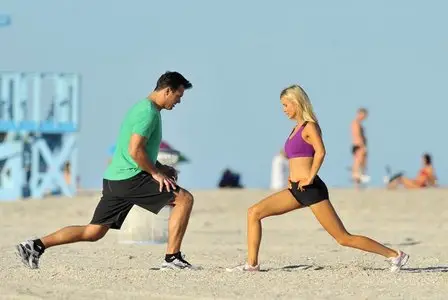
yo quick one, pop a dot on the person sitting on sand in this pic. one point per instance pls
(229, 179)
(425, 178)
(306, 151)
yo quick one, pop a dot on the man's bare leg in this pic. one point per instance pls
(363, 164)
(177, 225)
(178, 222)
(359, 166)
(31, 250)
(73, 234)
(356, 172)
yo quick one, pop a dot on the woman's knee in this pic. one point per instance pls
(93, 232)
(345, 239)
(254, 213)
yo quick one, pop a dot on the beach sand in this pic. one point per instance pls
(300, 260)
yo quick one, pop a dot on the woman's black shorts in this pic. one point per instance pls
(312, 194)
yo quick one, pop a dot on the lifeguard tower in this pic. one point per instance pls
(39, 122)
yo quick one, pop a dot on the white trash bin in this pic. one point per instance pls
(144, 227)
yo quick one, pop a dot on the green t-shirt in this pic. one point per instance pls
(144, 119)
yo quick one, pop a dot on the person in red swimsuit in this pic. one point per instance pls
(425, 178)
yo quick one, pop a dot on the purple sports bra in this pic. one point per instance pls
(297, 146)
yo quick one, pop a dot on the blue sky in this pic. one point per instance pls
(389, 56)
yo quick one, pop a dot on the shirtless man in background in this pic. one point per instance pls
(359, 148)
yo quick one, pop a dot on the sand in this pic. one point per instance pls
(299, 259)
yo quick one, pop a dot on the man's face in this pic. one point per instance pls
(362, 116)
(173, 97)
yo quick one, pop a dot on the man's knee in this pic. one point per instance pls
(94, 232)
(185, 198)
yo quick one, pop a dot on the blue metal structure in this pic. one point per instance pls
(39, 121)
(5, 20)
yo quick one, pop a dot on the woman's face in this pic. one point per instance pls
(289, 108)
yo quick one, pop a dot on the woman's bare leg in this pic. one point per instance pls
(406, 182)
(276, 204)
(409, 183)
(328, 218)
(393, 184)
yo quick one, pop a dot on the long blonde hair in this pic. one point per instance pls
(297, 95)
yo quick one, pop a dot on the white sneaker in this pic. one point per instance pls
(244, 268)
(364, 178)
(179, 263)
(398, 262)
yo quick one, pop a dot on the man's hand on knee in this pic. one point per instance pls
(169, 172)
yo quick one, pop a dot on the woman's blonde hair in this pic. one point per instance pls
(297, 95)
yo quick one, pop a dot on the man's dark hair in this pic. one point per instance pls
(363, 110)
(173, 80)
(427, 158)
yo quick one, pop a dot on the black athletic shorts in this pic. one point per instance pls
(355, 149)
(120, 195)
(312, 194)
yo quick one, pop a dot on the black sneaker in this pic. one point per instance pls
(30, 256)
(178, 263)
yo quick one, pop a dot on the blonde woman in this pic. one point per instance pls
(306, 151)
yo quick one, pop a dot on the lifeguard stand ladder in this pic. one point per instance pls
(39, 121)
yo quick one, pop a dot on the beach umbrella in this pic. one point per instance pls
(169, 155)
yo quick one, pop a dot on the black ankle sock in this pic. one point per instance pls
(171, 257)
(39, 246)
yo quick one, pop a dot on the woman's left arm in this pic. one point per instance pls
(315, 139)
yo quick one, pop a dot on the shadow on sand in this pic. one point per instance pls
(294, 268)
(407, 242)
(436, 269)
(439, 269)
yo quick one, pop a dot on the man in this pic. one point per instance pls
(134, 177)
(359, 147)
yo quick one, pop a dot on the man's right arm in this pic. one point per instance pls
(141, 129)
(138, 153)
